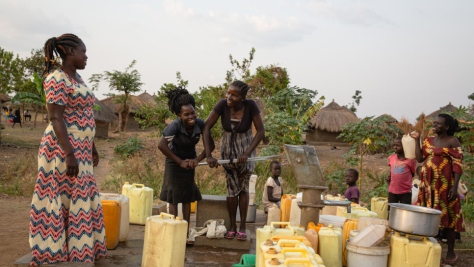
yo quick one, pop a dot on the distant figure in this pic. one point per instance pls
(401, 175)
(27, 115)
(17, 118)
(442, 157)
(352, 192)
(273, 189)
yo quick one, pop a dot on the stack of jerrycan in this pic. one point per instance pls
(413, 250)
(111, 210)
(356, 212)
(141, 202)
(379, 205)
(165, 241)
(330, 245)
(272, 230)
(124, 213)
(288, 252)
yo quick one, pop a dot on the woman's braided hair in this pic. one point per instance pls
(57, 46)
(244, 88)
(451, 122)
(178, 97)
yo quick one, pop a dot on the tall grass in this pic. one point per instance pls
(136, 169)
(18, 178)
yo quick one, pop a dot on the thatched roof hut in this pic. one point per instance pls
(135, 103)
(327, 124)
(4, 98)
(147, 97)
(104, 114)
(103, 118)
(387, 118)
(446, 109)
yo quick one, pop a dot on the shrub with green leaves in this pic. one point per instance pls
(129, 148)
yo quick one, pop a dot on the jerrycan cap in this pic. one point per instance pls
(127, 183)
(272, 251)
(274, 261)
(179, 218)
(269, 243)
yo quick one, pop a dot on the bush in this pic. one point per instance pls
(129, 148)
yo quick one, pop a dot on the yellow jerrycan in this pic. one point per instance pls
(141, 202)
(285, 207)
(413, 250)
(165, 241)
(111, 210)
(269, 231)
(330, 246)
(379, 205)
(124, 212)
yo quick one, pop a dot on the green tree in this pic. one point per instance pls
(10, 75)
(34, 63)
(206, 98)
(149, 116)
(126, 82)
(288, 112)
(365, 136)
(356, 100)
(267, 81)
(240, 68)
(38, 98)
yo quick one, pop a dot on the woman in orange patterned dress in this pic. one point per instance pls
(66, 220)
(442, 168)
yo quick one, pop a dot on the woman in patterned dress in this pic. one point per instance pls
(442, 168)
(237, 142)
(66, 220)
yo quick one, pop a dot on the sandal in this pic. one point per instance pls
(241, 236)
(229, 235)
(189, 243)
(450, 262)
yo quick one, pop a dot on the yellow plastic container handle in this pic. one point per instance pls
(297, 261)
(303, 251)
(288, 243)
(164, 214)
(281, 223)
(138, 185)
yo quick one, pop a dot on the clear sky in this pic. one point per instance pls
(406, 56)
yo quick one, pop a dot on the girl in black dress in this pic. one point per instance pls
(178, 144)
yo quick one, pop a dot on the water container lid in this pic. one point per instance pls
(127, 183)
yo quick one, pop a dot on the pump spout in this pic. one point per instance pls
(342, 203)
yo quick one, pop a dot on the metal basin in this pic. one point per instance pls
(413, 219)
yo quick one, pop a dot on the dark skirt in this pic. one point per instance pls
(179, 185)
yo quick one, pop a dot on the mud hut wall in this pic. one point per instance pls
(323, 136)
(102, 129)
(132, 124)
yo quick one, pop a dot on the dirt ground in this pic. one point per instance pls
(14, 210)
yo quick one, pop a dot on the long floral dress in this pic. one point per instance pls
(66, 219)
(437, 178)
